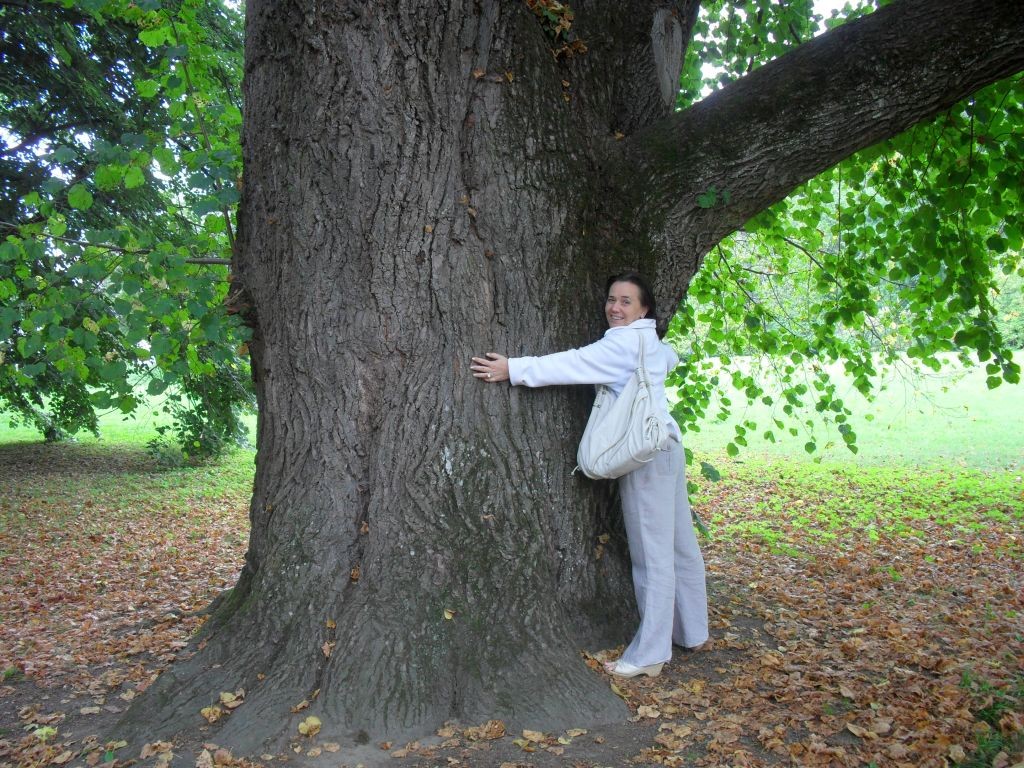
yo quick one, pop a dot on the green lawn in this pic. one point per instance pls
(933, 419)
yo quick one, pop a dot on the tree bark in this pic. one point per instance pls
(763, 135)
(422, 185)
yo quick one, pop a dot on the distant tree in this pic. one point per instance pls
(118, 183)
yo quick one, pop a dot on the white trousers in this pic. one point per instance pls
(668, 569)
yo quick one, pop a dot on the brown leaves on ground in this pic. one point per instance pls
(832, 645)
(847, 649)
(103, 566)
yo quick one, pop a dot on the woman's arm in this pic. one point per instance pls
(604, 362)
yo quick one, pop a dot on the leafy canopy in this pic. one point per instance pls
(909, 249)
(119, 179)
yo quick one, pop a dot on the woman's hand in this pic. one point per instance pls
(492, 368)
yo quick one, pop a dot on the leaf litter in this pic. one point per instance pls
(856, 619)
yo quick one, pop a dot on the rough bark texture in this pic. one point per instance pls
(427, 182)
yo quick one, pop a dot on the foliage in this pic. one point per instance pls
(556, 19)
(120, 179)
(903, 248)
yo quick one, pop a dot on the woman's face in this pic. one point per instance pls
(623, 304)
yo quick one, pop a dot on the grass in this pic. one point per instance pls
(923, 419)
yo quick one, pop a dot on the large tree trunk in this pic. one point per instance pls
(422, 185)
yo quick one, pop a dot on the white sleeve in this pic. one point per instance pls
(606, 361)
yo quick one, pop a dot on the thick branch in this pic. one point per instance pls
(795, 117)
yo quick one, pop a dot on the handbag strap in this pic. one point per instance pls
(641, 366)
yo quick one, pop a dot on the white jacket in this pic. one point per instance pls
(611, 360)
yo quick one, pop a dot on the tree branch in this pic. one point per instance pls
(767, 133)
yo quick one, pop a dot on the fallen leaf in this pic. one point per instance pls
(533, 735)
(89, 710)
(449, 614)
(63, 757)
(304, 704)
(331, 746)
(212, 714)
(327, 649)
(332, 624)
(479, 72)
(310, 727)
(205, 759)
(313, 752)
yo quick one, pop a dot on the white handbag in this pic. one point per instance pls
(623, 432)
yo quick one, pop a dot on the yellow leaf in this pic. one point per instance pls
(227, 698)
(310, 726)
(509, 76)
(479, 72)
(449, 614)
(300, 706)
(604, 538)
(212, 714)
(533, 735)
(332, 624)
(572, 733)
(863, 733)
(618, 691)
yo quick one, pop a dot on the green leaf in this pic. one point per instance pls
(79, 197)
(707, 199)
(134, 177)
(709, 471)
(154, 38)
(147, 89)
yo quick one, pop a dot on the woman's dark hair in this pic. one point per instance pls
(646, 294)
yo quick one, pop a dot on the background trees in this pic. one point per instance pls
(119, 184)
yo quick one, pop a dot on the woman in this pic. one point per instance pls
(668, 570)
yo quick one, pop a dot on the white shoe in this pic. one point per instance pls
(622, 669)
